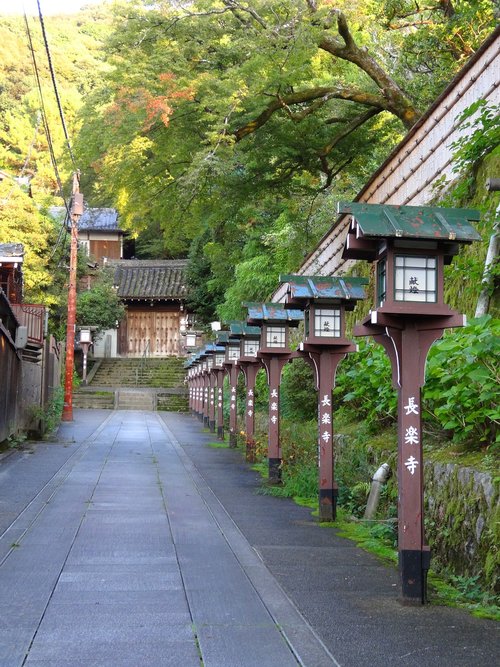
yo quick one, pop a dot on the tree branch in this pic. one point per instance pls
(310, 94)
(348, 129)
(396, 101)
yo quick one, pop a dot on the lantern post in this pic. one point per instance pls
(274, 352)
(198, 384)
(189, 381)
(233, 370)
(85, 343)
(410, 246)
(250, 365)
(325, 301)
(219, 372)
(204, 386)
(211, 383)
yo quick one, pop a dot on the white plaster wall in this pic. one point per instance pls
(99, 349)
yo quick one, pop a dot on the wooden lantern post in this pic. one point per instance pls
(410, 246)
(220, 372)
(204, 386)
(189, 366)
(250, 365)
(274, 352)
(233, 370)
(324, 300)
(212, 385)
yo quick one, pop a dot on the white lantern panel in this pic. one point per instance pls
(190, 340)
(251, 347)
(415, 279)
(327, 322)
(220, 359)
(276, 337)
(233, 352)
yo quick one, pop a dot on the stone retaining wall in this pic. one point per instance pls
(462, 516)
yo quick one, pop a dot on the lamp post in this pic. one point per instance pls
(410, 246)
(211, 382)
(324, 301)
(230, 364)
(274, 352)
(220, 372)
(85, 343)
(249, 337)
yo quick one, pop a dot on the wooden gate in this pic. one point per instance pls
(159, 329)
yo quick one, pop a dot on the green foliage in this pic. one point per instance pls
(22, 222)
(172, 135)
(298, 394)
(50, 416)
(461, 390)
(363, 389)
(99, 306)
(482, 124)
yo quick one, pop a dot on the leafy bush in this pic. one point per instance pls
(363, 388)
(461, 391)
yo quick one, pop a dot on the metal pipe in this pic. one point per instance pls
(379, 478)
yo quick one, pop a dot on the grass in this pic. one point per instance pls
(218, 445)
(379, 539)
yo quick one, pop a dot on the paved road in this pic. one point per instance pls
(130, 543)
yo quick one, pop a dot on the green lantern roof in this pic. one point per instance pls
(324, 288)
(273, 312)
(243, 330)
(222, 338)
(413, 222)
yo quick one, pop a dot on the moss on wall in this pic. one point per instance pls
(462, 510)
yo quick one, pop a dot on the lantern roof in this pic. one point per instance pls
(323, 288)
(244, 330)
(222, 338)
(273, 312)
(412, 222)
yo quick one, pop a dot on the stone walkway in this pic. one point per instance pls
(130, 543)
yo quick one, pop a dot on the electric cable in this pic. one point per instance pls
(63, 230)
(54, 84)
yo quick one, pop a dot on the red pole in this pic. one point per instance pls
(76, 212)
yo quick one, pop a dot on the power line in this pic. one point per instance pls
(54, 84)
(43, 110)
(63, 229)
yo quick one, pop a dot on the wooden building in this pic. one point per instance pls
(100, 234)
(153, 292)
(11, 275)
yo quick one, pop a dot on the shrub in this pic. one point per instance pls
(461, 391)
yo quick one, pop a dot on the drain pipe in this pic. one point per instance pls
(379, 478)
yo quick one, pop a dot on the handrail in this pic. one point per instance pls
(139, 371)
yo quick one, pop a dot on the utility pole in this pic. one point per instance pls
(75, 213)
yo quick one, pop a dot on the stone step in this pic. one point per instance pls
(135, 400)
(94, 400)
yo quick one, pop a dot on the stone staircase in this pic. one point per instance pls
(161, 373)
(135, 384)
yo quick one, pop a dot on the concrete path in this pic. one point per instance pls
(130, 543)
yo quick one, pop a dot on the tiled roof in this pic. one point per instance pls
(150, 279)
(12, 251)
(93, 219)
(99, 219)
